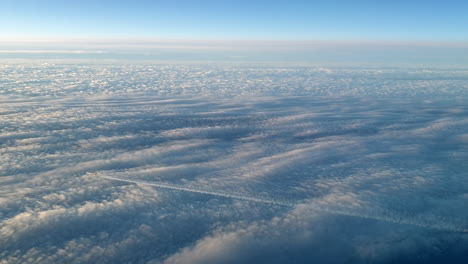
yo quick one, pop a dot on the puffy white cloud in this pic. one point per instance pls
(369, 178)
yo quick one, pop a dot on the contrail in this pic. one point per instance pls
(195, 190)
(426, 221)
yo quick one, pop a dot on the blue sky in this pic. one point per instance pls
(313, 32)
(240, 19)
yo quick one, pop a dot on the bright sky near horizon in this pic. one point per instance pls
(357, 32)
(396, 20)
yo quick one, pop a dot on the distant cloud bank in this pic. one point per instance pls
(323, 52)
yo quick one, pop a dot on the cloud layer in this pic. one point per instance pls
(370, 177)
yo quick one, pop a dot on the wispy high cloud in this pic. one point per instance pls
(53, 51)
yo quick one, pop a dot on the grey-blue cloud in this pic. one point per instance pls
(369, 155)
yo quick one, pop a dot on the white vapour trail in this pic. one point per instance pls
(426, 221)
(195, 190)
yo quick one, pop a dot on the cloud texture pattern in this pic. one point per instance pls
(195, 164)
